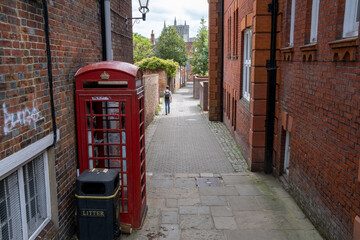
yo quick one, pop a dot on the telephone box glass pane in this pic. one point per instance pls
(124, 165)
(123, 137)
(122, 107)
(122, 122)
(115, 163)
(112, 151)
(88, 121)
(112, 137)
(125, 179)
(124, 151)
(88, 107)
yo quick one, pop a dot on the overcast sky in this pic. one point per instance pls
(190, 11)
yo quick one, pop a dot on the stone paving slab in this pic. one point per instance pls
(218, 191)
(196, 222)
(170, 217)
(170, 232)
(189, 201)
(196, 210)
(213, 200)
(243, 203)
(224, 223)
(202, 234)
(221, 211)
(185, 183)
(259, 234)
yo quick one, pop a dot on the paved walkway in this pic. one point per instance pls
(199, 187)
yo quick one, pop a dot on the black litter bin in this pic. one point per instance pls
(98, 206)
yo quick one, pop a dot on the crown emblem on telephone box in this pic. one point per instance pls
(105, 75)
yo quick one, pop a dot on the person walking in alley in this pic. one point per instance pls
(168, 99)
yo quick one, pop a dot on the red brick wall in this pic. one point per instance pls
(215, 82)
(162, 80)
(196, 86)
(319, 102)
(204, 95)
(151, 101)
(75, 36)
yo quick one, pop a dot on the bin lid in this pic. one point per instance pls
(97, 182)
(98, 175)
(124, 67)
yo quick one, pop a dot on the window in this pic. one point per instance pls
(236, 28)
(25, 201)
(351, 18)
(229, 36)
(292, 23)
(247, 65)
(287, 153)
(314, 20)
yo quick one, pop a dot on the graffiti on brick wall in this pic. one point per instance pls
(23, 117)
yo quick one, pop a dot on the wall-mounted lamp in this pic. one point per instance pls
(143, 9)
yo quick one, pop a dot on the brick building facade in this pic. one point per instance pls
(26, 132)
(318, 112)
(315, 144)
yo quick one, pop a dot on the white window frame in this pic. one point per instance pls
(15, 163)
(351, 18)
(314, 21)
(287, 152)
(292, 23)
(247, 64)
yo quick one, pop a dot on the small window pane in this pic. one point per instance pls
(351, 18)
(10, 216)
(314, 21)
(292, 23)
(34, 179)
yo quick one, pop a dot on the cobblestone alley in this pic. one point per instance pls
(199, 188)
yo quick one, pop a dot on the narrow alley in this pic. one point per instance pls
(199, 188)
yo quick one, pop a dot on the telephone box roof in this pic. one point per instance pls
(109, 65)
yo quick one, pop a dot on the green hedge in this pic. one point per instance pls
(155, 64)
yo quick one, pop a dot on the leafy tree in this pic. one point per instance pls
(171, 46)
(200, 53)
(155, 64)
(142, 47)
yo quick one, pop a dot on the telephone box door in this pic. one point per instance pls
(106, 131)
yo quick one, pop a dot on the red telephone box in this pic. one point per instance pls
(111, 132)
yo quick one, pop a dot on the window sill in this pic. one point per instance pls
(235, 57)
(244, 102)
(309, 52)
(344, 49)
(287, 53)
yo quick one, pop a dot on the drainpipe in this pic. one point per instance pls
(107, 24)
(222, 60)
(271, 90)
(103, 38)
(49, 66)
